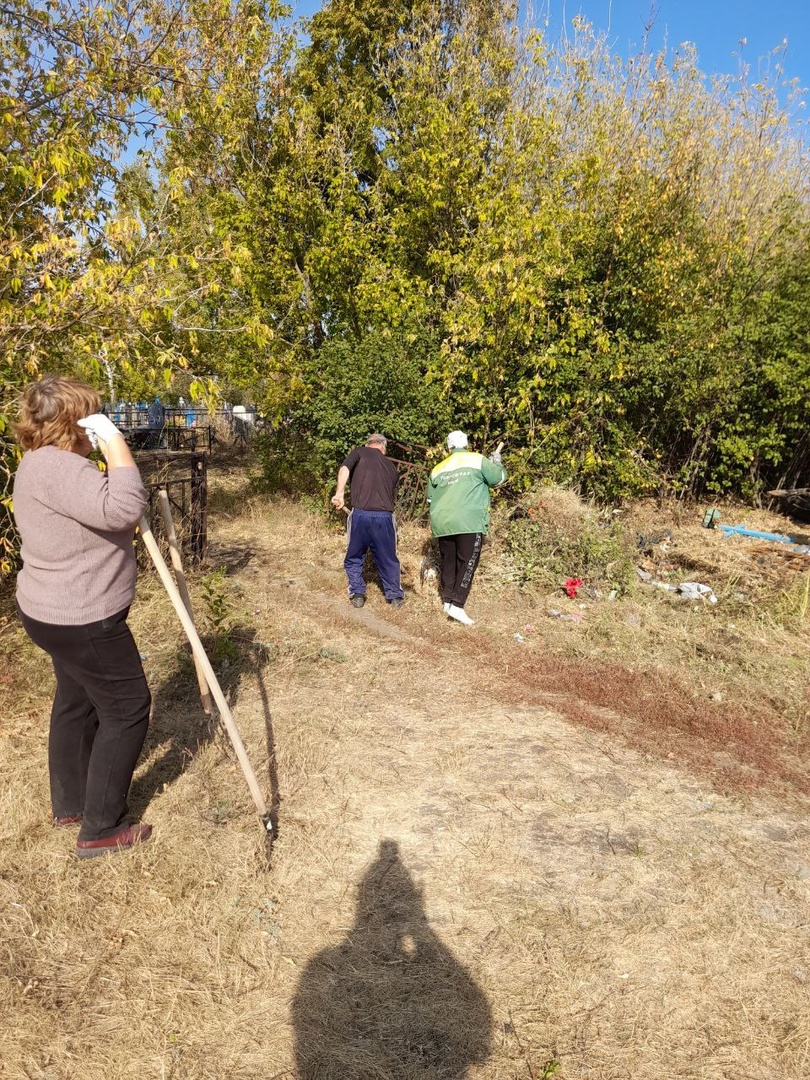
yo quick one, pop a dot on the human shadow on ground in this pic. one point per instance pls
(391, 1000)
(247, 662)
(253, 660)
(180, 728)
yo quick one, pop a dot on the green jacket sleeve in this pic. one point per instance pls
(494, 474)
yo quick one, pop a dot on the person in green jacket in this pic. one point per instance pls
(458, 495)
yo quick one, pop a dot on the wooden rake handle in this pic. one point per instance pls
(205, 664)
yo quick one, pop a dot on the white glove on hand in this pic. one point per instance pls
(99, 428)
(495, 456)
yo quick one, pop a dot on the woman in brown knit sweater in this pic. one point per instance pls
(73, 595)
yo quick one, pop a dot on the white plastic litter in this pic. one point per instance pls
(689, 590)
(693, 590)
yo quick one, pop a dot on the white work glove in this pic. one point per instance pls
(99, 429)
(495, 456)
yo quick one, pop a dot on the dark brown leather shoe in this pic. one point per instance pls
(64, 822)
(121, 841)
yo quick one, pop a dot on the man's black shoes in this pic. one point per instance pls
(357, 601)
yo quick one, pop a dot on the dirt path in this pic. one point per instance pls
(614, 913)
(465, 882)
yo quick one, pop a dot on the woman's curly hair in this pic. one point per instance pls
(49, 410)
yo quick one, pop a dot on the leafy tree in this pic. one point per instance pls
(76, 77)
(420, 216)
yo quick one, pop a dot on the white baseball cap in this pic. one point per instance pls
(456, 440)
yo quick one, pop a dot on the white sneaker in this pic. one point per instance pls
(460, 615)
(446, 608)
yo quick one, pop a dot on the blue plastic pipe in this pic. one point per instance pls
(738, 530)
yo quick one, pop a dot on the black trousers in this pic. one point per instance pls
(99, 719)
(459, 560)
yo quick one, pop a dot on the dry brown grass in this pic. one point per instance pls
(586, 848)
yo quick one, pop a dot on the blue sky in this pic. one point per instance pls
(716, 27)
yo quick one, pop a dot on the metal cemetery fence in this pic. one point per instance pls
(413, 477)
(153, 428)
(184, 476)
(158, 427)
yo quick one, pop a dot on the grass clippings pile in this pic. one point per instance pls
(545, 846)
(552, 535)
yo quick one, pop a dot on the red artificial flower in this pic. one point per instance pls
(572, 586)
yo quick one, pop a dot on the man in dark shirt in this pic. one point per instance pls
(370, 525)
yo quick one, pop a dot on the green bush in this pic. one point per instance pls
(354, 387)
(288, 463)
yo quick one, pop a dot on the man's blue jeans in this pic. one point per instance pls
(374, 531)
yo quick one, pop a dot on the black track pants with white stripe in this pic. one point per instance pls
(459, 560)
